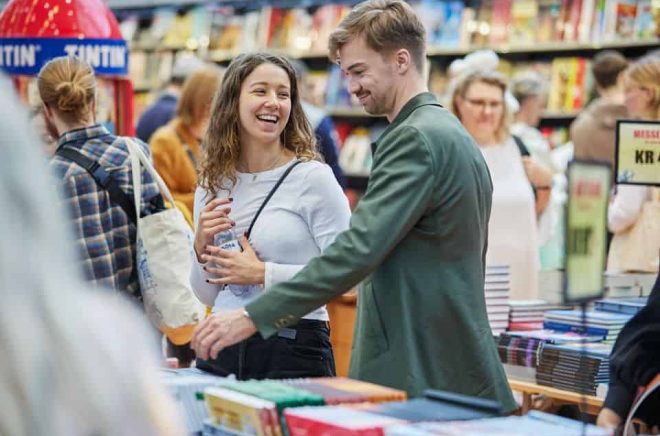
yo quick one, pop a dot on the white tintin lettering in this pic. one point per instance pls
(99, 55)
(19, 55)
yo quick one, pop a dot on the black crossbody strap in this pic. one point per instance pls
(103, 178)
(270, 194)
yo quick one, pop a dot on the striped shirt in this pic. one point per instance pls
(104, 235)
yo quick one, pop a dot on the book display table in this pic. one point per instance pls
(588, 404)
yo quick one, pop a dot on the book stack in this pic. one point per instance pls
(336, 420)
(569, 367)
(535, 423)
(497, 289)
(523, 348)
(605, 324)
(341, 390)
(528, 314)
(257, 407)
(374, 419)
(626, 306)
(235, 412)
(187, 386)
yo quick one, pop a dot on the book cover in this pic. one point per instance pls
(626, 13)
(499, 24)
(523, 28)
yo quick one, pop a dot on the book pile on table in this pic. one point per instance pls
(605, 324)
(523, 348)
(257, 407)
(375, 419)
(628, 306)
(497, 289)
(535, 423)
(528, 314)
(187, 387)
(569, 367)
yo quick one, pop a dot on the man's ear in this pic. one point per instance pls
(403, 60)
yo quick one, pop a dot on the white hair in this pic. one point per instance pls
(74, 361)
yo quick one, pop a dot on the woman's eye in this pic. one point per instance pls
(259, 91)
(284, 95)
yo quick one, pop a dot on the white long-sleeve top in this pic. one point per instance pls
(303, 217)
(627, 206)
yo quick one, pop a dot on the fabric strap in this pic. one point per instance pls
(102, 178)
(270, 194)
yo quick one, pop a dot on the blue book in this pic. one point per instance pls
(629, 306)
(566, 327)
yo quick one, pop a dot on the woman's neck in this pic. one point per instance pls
(258, 158)
(486, 140)
(64, 127)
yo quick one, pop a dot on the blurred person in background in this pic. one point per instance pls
(322, 124)
(593, 131)
(176, 146)
(104, 231)
(161, 111)
(521, 185)
(530, 91)
(75, 361)
(642, 100)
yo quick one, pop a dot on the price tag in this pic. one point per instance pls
(586, 230)
(638, 152)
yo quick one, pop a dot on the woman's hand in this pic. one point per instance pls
(234, 268)
(608, 418)
(212, 220)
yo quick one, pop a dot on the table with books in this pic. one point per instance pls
(588, 404)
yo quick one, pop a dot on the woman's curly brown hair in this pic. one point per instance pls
(221, 147)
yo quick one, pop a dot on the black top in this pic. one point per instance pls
(635, 358)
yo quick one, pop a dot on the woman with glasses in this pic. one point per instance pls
(257, 137)
(521, 186)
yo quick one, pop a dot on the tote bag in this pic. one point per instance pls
(638, 247)
(163, 254)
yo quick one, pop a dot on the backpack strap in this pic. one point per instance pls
(102, 178)
(270, 194)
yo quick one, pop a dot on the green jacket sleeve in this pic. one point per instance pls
(399, 192)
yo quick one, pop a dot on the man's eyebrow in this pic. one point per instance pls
(356, 65)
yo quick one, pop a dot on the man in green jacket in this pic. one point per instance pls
(417, 238)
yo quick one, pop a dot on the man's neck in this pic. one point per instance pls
(411, 87)
(612, 95)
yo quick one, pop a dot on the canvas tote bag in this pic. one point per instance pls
(163, 254)
(638, 247)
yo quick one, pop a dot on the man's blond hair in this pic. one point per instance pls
(386, 25)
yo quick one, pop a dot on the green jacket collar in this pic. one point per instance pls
(423, 99)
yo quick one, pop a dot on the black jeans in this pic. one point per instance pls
(302, 350)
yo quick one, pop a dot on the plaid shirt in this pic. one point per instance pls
(104, 234)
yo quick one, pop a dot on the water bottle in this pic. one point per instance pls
(227, 240)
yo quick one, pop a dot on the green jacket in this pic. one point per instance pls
(418, 237)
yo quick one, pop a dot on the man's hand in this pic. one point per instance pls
(219, 331)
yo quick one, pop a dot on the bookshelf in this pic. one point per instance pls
(556, 38)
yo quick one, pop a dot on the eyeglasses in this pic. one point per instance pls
(483, 104)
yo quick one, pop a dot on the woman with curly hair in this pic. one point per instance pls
(257, 134)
